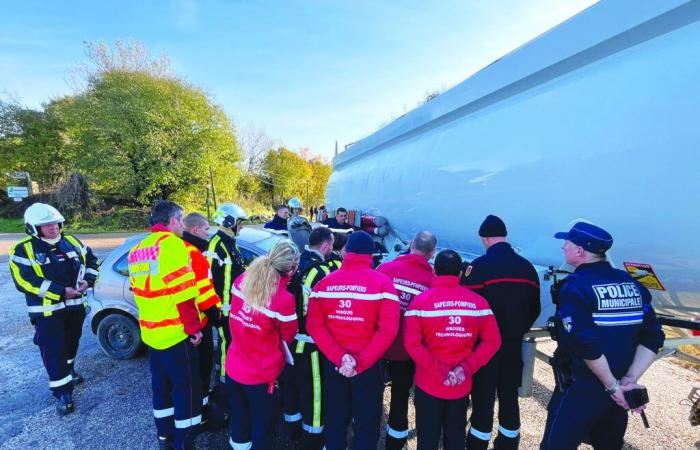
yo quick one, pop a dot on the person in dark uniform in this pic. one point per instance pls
(54, 270)
(339, 222)
(335, 258)
(302, 389)
(226, 263)
(279, 222)
(510, 285)
(606, 326)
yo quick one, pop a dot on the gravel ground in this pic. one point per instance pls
(114, 404)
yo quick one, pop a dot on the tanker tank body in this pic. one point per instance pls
(596, 119)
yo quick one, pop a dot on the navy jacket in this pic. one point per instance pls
(277, 223)
(312, 268)
(43, 271)
(604, 311)
(511, 286)
(332, 223)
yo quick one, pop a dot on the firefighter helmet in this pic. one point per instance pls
(228, 215)
(39, 214)
(295, 203)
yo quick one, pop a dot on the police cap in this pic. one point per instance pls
(588, 236)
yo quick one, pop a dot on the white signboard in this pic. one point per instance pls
(17, 192)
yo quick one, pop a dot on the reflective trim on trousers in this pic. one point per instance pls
(311, 430)
(186, 423)
(243, 446)
(508, 433)
(61, 382)
(395, 433)
(480, 434)
(70, 361)
(46, 308)
(292, 417)
(205, 401)
(161, 413)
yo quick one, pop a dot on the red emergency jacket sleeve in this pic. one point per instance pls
(189, 316)
(413, 342)
(489, 341)
(387, 328)
(287, 308)
(316, 327)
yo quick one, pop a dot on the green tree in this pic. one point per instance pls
(286, 174)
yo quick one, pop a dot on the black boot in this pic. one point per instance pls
(311, 441)
(77, 378)
(165, 443)
(65, 405)
(392, 443)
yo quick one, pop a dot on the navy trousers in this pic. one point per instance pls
(438, 419)
(58, 336)
(358, 398)
(254, 410)
(500, 377)
(206, 361)
(177, 392)
(401, 376)
(584, 410)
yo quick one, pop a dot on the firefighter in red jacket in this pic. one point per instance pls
(450, 334)
(411, 275)
(353, 317)
(263, 322)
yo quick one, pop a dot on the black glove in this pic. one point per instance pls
(213, 316)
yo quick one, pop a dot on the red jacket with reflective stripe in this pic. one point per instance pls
(207, 297)
(411, 275)
(354, 310)
(257, 353)
(443, 326)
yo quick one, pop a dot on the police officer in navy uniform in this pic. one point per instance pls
(54, 270)
(606, 325)
(510, 285)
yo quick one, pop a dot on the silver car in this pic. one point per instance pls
(113, 313)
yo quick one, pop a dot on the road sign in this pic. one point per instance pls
(17, 192)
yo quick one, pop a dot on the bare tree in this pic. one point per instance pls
(130, 56)
(255, 144)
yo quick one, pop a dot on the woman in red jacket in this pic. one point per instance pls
(263, 323)
(443, 326)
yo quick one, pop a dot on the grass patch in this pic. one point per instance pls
(11, 225)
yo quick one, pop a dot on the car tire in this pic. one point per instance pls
(119, 336)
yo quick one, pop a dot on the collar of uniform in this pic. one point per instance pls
(197, 241)
(415, 259)
(158, 227)
(315, 253)
(598, 265)
(445, 280)
(499, 247)
(226, 238)
(357, 260)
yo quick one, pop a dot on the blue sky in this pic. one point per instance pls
(307, 72)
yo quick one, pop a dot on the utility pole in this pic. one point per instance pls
(213, 189)
(208, 205)
(307, 194)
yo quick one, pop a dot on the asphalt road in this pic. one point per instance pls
(113, 406)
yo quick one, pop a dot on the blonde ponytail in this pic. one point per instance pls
(264, 273)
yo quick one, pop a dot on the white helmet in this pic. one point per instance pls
(228, 215)
(295, 203)
(39, 214)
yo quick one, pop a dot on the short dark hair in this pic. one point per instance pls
(448, 262)
(320, 235)
(339, 210)
(162, 211)
(194, 220)
(340, 240)
(281, 207)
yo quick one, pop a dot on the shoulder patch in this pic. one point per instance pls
(567, 324)
(468, 270)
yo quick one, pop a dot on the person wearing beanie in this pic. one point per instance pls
(511, 286)
(450, 334)
(353, 318)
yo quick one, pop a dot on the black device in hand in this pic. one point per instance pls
(636, 398)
